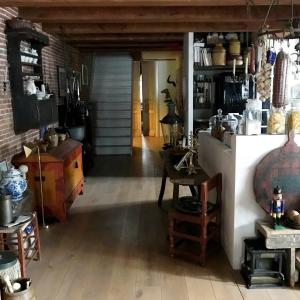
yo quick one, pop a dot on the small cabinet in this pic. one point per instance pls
(61, 174)
(24, 52)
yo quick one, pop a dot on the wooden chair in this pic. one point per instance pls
(208, 222)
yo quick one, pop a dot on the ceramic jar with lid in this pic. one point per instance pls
(234, 47)
(13, 183)
(219, 55)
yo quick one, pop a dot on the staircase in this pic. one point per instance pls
(110, 98)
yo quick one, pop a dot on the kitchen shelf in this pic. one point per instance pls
(216, 68)
(29, 54)
(30, 64)
(28, 111)
(32, 74)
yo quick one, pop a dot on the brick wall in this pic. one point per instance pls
(57, 54)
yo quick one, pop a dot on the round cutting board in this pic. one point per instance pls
(279, 167)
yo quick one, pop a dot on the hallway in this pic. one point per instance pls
(114, 243)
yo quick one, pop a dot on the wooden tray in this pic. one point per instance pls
(280, 167)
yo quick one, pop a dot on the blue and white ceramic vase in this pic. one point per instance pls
(13, 183)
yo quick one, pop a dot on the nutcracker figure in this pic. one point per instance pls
(277, 207)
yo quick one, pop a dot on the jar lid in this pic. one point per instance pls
(7, 259)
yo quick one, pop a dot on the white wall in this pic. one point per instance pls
(164, 69)
(237, 164)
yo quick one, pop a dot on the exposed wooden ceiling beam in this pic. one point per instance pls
(67, 29)
(118, 3)
(177, 37)
(156, 14)
(130, 45)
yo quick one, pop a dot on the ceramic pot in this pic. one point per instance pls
(13, 183)
(219, 55)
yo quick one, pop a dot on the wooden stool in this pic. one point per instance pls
(208, 222)
(26, 245)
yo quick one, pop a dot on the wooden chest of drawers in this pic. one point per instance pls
(61, 174)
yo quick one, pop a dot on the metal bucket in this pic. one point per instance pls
(24, 294)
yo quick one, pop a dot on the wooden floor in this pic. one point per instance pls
(114, 244)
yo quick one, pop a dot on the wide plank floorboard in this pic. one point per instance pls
(114, 244)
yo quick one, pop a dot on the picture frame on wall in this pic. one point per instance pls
(62, 81)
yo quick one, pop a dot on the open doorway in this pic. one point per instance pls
(153, 74)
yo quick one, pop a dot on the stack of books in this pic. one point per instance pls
(202, 55)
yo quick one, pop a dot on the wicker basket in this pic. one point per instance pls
(19, 23)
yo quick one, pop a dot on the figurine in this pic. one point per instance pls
(277, 207)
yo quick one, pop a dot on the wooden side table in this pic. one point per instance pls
(27, 246)
(288, 239)
(178, 178)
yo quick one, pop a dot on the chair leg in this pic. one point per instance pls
(162, 187)
(175, 193)
(21, 251)
(171, 237)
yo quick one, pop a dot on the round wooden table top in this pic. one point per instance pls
(279, 167)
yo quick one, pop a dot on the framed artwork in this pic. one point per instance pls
(62, 81)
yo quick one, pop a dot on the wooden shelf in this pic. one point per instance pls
(32, 74)
(216, 68)
(29, 54)
(30, 64)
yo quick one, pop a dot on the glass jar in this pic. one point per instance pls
(294, 116)
(215, 122)
(252, 117)
(276, 122)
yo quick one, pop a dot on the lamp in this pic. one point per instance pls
(28, 149)
(171, 126)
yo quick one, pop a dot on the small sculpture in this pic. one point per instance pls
(277, 207)
(188, 159)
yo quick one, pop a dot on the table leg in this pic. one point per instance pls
(175, 193)
(162, 187)
(193, 191)
(292, 268)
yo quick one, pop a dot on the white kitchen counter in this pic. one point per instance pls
(237, 164)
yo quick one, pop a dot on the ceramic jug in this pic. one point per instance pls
(30, 87)
(13, 183)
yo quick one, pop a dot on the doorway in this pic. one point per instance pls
(153, 74)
